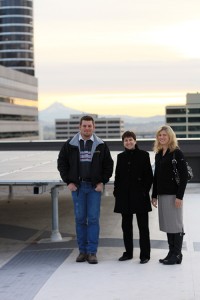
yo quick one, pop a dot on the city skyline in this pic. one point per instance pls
(110, 57)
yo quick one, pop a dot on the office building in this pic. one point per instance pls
(18, 86)
(105, 128)
(18, 105)
(16, 35)
(185, 119)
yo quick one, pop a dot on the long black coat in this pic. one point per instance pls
(133, 180)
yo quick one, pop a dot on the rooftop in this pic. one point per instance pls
(31, 267)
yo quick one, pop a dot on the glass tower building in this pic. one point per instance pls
(16, 35)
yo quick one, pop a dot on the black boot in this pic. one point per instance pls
(176, 257)
(170, 239)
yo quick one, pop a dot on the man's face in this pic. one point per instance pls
(86, 129)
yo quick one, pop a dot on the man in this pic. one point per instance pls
(85, 164)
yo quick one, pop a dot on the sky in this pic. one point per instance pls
(129, 57)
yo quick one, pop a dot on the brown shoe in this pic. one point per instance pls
(81, 257)
(92, 259)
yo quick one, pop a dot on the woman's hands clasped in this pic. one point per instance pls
(154, 202)
(178, 202)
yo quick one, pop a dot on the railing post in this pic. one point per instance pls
(55, 235)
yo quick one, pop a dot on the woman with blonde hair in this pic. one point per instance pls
(167, 193)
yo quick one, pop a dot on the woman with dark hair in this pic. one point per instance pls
(133, 180)
(167, 193)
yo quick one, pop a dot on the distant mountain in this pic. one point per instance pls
(145, 127)
(60, 111)
(140, 120)
(56, 111)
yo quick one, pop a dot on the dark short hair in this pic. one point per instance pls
(86, 118)
(128, 134)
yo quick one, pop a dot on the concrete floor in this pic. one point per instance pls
(31, 268)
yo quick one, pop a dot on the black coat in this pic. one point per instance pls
(164, 182)
(101, 165)
(133, 180)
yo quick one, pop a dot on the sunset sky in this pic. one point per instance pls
(130, 57)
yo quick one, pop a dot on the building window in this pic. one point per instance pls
(16, 63)
(113, 122)
(179, 128)
(4, 135)
(193, 110)
(194, 128)
(16, 3)
(100, 122)
(16, 37)
(18, 55)
(18, 20)
(196, 135)
(176, 120)
(176, 111)
(19, 46)
(16, 11)
(61, 123)
(178, 135)
(194, 119)
(6, 117)
(18, 28)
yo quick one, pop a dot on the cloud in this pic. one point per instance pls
(87, 47)
(135, 77)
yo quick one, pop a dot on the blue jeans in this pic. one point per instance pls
(87, 213)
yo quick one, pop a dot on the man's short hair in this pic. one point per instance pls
(128, 134)
(86, 118)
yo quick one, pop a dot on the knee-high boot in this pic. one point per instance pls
(176, 257)
(170, 239)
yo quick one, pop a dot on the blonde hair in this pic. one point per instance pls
(173, 143)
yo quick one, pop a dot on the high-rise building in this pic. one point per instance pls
(18, 105)
(18, 86)
(16, 35)
(105, 128)
(185, 119)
